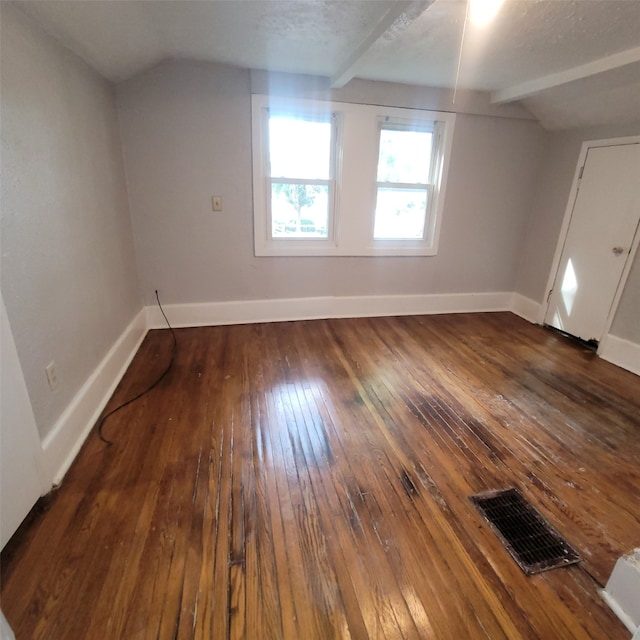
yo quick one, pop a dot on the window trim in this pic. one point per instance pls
(310, 115)
(418, 126)
(356, 152)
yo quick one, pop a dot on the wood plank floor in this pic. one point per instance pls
(310, 480)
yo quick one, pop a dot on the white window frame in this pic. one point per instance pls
(430, 187)
(310, 115)
(265, 243)
(353, 188)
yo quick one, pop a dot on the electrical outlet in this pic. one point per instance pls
(216, 203)
(52, 375)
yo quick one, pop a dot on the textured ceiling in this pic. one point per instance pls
(412, 42)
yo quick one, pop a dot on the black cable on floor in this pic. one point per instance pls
(174, 350)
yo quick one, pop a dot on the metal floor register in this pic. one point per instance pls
(529, 538)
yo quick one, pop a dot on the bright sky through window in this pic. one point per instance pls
(299, 148)
(405, 156)
(300, 162)
(404, 162)
(400, 213)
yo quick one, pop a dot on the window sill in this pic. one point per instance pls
(310, 250)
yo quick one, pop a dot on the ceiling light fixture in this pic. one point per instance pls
(482, 12)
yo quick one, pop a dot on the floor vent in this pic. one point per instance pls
(528, 537)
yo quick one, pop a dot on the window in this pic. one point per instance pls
(301, 169)
(403, 181)
(347, 179)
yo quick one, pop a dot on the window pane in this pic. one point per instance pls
(405, 156)
(299, 148)
(400, 213)
(299, 210)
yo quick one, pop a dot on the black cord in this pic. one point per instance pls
(174, 350)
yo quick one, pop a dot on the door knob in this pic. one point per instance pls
(617, 250)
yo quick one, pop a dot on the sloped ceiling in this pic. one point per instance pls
(572, 62)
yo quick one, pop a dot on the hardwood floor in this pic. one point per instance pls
(310, 480)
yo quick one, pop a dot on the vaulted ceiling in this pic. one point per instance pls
(571, 62)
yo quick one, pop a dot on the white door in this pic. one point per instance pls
(603, 223)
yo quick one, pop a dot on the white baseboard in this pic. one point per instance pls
(622, 592)
(63, 442)
(252, 311)
(621, 614)
(525, 307)
(624, 353)
(6, 632)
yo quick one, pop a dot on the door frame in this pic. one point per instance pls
(564, 230)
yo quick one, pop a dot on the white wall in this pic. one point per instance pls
(22, 475)
(69, 277)
(553, 186)
(186, 136)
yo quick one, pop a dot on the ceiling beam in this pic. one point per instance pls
(531, 87)
(408, 10)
